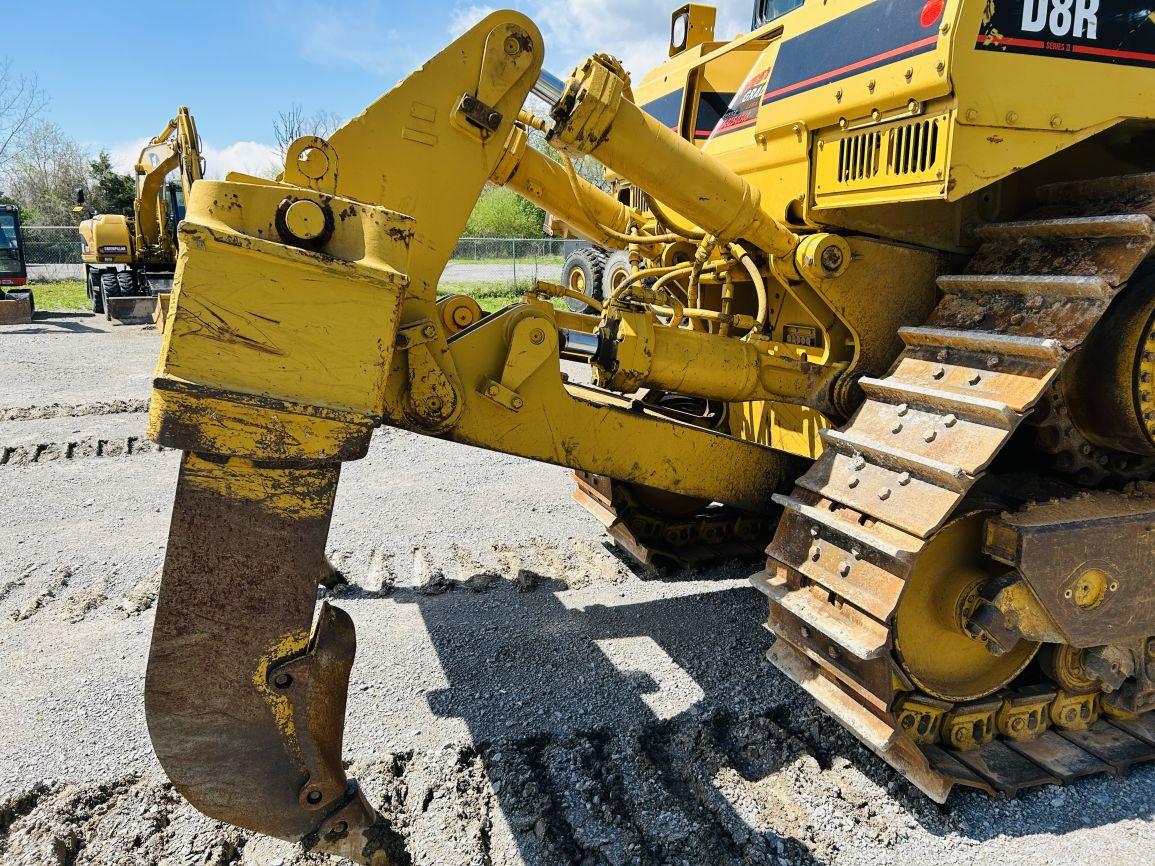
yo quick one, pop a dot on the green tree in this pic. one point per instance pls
(44, 174)
(110, 192)
(502, 213)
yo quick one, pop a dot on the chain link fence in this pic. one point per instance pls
(499, 265)
(51, 245)
(53, 252)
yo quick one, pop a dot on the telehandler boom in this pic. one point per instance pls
(891, 312)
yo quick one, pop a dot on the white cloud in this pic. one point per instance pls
(248, 157)
(125, 155)
(637, 32)
(364, 34)
(356, 33)
(465, 17)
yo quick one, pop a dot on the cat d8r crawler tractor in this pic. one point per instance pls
(891, 312)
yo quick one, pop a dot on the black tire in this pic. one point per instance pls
(92, 278)
(583, 272)
(617, 269)
(109, 288)
(126, 281)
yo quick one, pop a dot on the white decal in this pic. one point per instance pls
(1078, 18)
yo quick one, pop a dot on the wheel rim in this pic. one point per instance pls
(577, 281)
(932, 647)
(619, 276)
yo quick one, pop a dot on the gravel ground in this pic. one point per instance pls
(543, 703)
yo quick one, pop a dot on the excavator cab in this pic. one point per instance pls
(16, 303)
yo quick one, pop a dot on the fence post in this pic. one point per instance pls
(515, 264)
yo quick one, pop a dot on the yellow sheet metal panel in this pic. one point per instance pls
(254, 315)
(106, 239)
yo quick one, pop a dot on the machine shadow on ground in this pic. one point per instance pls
(678, 752)
(54, 323)
(507, 672)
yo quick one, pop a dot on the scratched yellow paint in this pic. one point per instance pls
(300, 494)
(289, 645)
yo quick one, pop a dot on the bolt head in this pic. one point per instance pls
(832, 258)
(884, 494)
(429, 332)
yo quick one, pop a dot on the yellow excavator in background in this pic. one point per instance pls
(129, 264)
(890, 315)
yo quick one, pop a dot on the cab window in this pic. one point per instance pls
(9, 245)
(767, 10)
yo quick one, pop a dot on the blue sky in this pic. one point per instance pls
(236, 64)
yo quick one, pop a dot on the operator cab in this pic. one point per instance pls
(174, 202)
(13, 270)
(766, 11)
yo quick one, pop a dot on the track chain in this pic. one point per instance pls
(707, 535)
(900, 470)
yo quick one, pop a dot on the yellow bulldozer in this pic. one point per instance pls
(890, 318)
(129, 263)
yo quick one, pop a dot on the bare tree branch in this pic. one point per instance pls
(21, 102)
(292, 124)
(44, 173)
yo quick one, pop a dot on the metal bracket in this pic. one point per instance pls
(314, 689)
(477, 112)
(509, 55)
(433, 396)
(532, 341)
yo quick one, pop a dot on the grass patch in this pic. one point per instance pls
(492, 296)
(66, 295)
